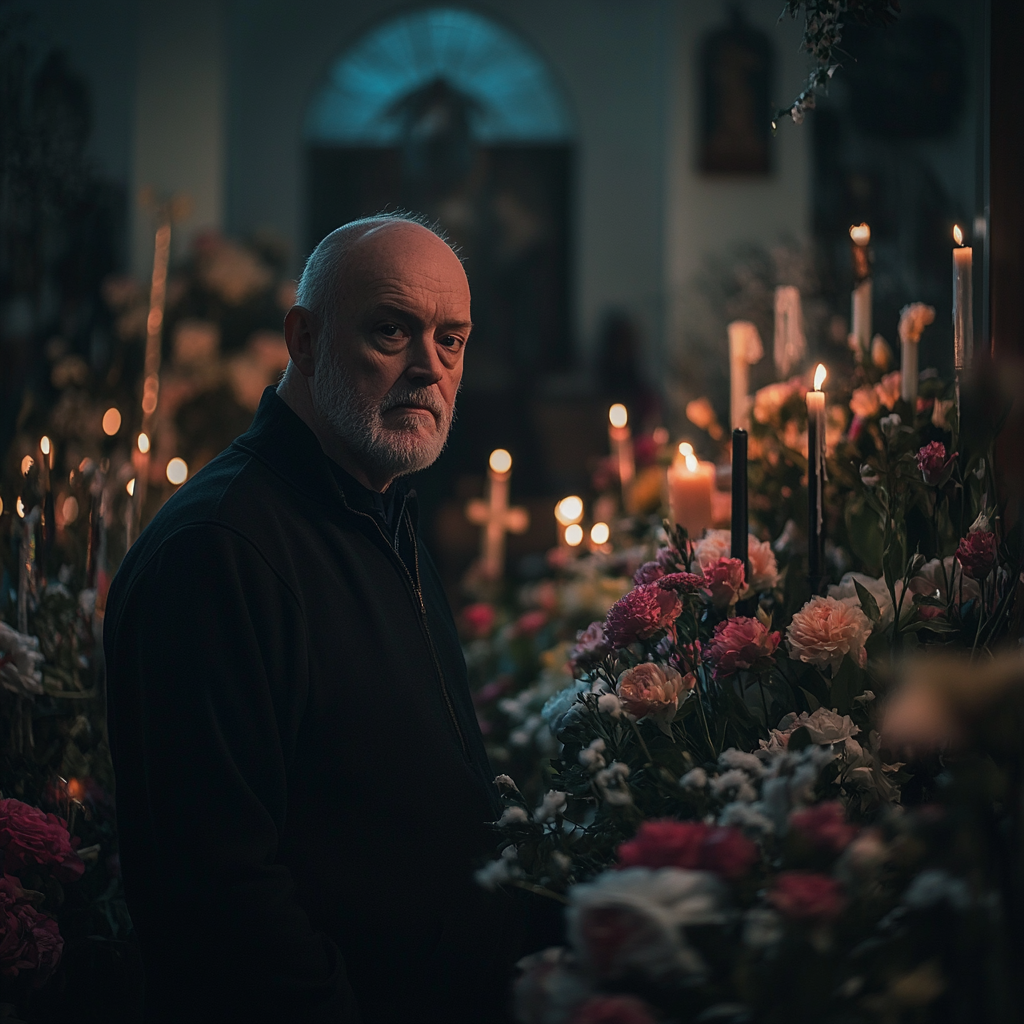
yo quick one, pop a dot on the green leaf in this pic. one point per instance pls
(812, 702)
(868, 603)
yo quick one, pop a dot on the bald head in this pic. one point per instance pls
(376, 341)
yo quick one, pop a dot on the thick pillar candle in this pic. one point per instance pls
(815, 480)
(690, 483)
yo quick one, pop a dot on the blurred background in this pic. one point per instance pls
(608, 171)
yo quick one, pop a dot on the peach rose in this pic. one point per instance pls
(650, 689)
(825, 630)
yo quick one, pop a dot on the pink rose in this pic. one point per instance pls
(649, 572)
(690, 844)
(740, 643)
(651, 689)
(613, 1010)
(478, 619)
(932, 462)
(591, 646)
(724, 581)
(825, 630)
(29, 940)
(824, 826)
(976, 554)
(641, 613)
(30, 838)
(681, 582)
(807, 896)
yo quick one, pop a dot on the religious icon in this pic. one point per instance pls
(735, 68)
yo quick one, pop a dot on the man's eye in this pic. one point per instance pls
(451, 341)
(389, 330)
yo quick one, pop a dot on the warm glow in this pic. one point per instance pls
(618, 416)
(44, 445)
(20, 506)
(177, 470)
(819, 376)
(1, 506)
(111, 421)
(144, 443)
(958, 235)
(685, 448)
(569, 510)
(574, 535)
(69, 509)
(26, 464)
(75, 789)
(130, 487)
(691, 463)
(659, 435)
(500, 461)
(599, 533)
(861, 234)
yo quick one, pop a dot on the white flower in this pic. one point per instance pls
(552, 805)
(505, 869)
(20, 661)
(505, 784)
(592, 757)
(762, 927)
(511, 815)
(825, 727)
(936, 886)
(891, 425)
(736, 783)
(846, 591)
(695, 778)
(733, 758)
(609, 704)
(632, 921)
(612, 783)
(715, 544)
(747, 817)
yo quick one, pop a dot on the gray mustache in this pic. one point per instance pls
(418, 396)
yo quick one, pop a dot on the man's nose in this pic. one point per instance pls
(425, 366)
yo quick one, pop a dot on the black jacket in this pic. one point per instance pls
(301, 783)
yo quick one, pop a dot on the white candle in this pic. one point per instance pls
(621, 442)
(913, 320)
(568, 512)
(963, 306)
(860, 300)
(790, 343)
(690, 484)
(744, 348)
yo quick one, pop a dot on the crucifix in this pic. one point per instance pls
(495, 515)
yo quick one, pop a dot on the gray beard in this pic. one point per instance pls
(359, 425)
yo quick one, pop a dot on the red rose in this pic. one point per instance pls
(613, 1010)
(30, 838)
(977, 554)
(807, 896)
(724, 580)
(824, 826)
(740, 643)
(932, 462)
(640, 614)
(29, 940)
(478, 619)
(690, 844)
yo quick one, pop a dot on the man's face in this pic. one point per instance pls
(386, 379)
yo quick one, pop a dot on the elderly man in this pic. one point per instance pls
(302, 788)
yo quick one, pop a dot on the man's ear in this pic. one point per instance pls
(298, 335)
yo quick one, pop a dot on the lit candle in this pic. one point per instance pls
(689, 491)
(745, 348)
(963, 308)
(913, 320)
(45, 465)
(495, 515)
(860, 329)
(815, 479)
(621, 442)
(568, 512)
(740, 517)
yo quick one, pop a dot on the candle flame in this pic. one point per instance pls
(20, 506)
(617, 415)
(69, 509)
(685, 448)
(143, 443)
(600, 532)
(26, 464)
(177, 470)
(1, 506)
(860, 233)
(130, 487)
(958, 235)
(44, 445)
(574, 535)
(819, 376)
(569, 510)
(500, 461)
(691, 463)
(111, 421)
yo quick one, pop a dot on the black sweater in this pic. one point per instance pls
(301, 783)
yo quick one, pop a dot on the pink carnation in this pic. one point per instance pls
(976, 554)
(30, 838)
(690, 844)
(681, 582)
(649, 572)
(29, 940)
(740, 643)
(824, 826)
(651, 689)
(825, 630)
(591, 646)
(641, 613)
(807, 896)
(724, 581)
(932, 462)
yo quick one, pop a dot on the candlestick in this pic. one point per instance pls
(689, 491)
(745, 348)
(496, 516)
(963, 309)
(913, 320)
(790, 342)
(621, 442)
(860, 300)
(815, 479)
(740, 516)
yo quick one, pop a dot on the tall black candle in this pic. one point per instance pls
(740, 517)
